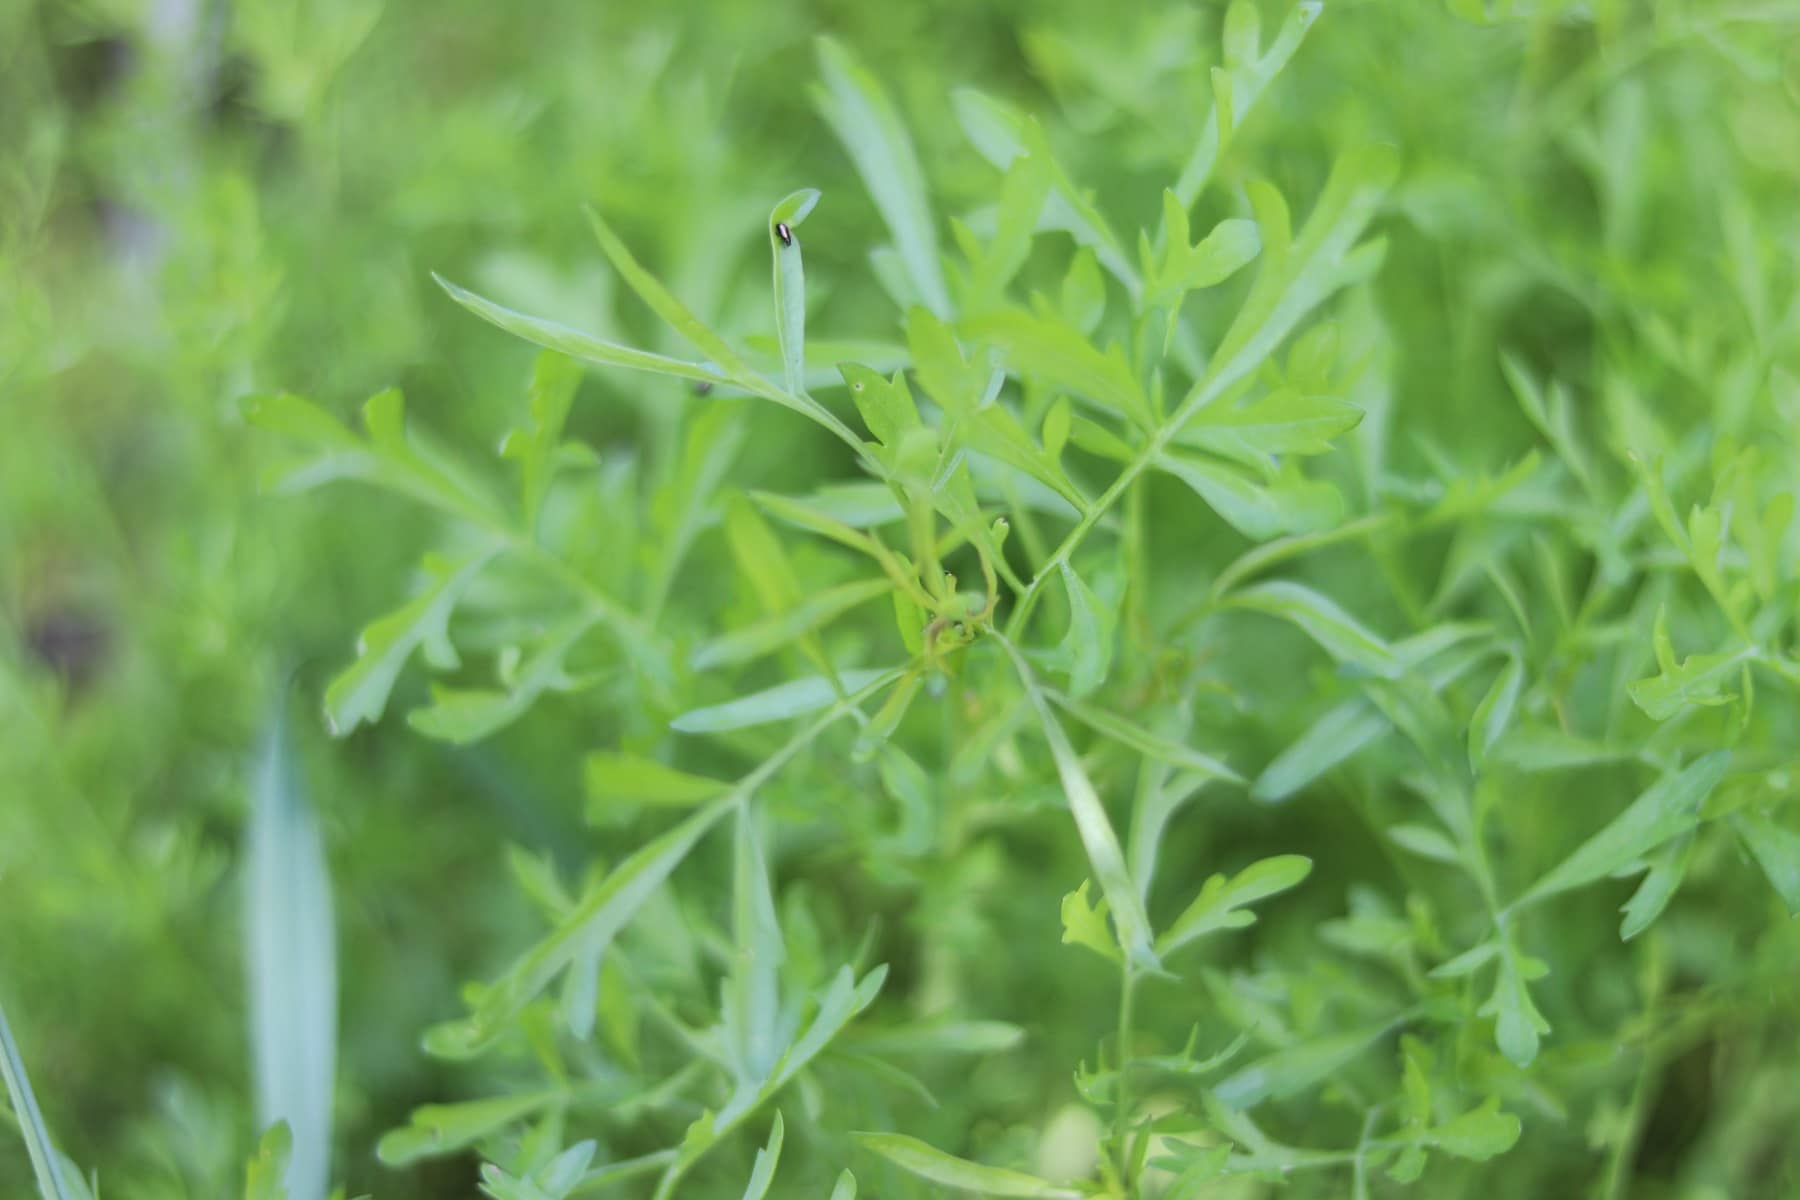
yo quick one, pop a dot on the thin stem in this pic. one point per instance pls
(1122, 1109)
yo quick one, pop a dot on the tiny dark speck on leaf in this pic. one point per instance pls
(702, 388)
(784, 233)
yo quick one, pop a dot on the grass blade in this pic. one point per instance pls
(46, 1163)
(291, 953)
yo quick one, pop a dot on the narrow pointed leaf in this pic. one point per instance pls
(780, 703)
(291, 951)
(1669, 808)
(946, 1170)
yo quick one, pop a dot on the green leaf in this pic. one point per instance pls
(1046, 350)
(1668, 809)
(946, 1170)
(762, 1174)
(942, 1037)
(1222, 902)
(1336, 631)
(663, 303)
(772, 633)
(560, 1175)
(1518, 1024)
(1667, 869)
(1479, 1134)
(790, 284)
(1330, 740)
(1546, 748)
(47, 1163)
(1247, 79)
(615, 778)
(995, 432)
(886, 405)
(360, 692)
(1294, 279)
(1495, 711)
(1698, 682)
(1091, 822)
(846, 1187)
(575, 343)
(1231, 245)
(469, 714)
(1023, 191)
(554, 378)
(1084, 292)
(1084, 924)
(1280, 422)
(864, 120)
(1105, 721)
(1426, 843)
(435, 1130)
(1088, 646)
(265, 1175)
(782, 702)
(944, 372)
(291, 954)
(1294, 1069)
(1776, 850)
(1259, 511)
(760, 557)
(1001, 134)
(590, 927)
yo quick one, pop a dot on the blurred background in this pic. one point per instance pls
(202, 201)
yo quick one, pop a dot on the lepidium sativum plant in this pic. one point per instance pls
(1297, 699)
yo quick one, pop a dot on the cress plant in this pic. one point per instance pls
(1220, 624)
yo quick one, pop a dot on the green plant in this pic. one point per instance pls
(1061, 713)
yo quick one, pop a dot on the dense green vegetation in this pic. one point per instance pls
(1061, 600)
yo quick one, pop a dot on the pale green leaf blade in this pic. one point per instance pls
(1222, 903)
(790, 284)
(865, 122)
(1479, 1134)
(1776, 850)
(596, 919)
(360, 692)
(1282, 422)
(575, 343)
(932, 1164)
(1295, 1069)
(794, 698)
(46, 1162)
(1105, 721)
(434, 1130)
(664, 304)
(1698, 681)
(291, 955)
(1337, 632)
(1669, 808)
(762, 1174)
(614, 778)
(1495, 712)
(1097, 835)
(1668, 867)
(1088, 646)
(764, 637)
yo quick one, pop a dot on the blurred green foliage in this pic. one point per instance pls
(1409, 593)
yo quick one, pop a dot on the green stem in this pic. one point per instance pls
(1122, 1111)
